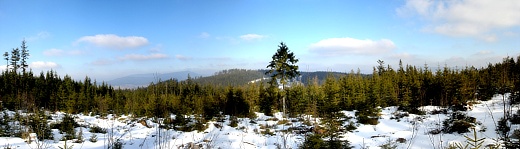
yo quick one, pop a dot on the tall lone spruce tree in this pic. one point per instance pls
(283, 67)
(24, 55)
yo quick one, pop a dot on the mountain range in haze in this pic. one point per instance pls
(143, 80)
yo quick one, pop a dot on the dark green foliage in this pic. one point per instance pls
(233, 122)
(411, 110)
(200, 125)
(503, 129)
(38, 124)
(66, 127)
(368, 115)
(5, 127)
(350, 127)
(471, 142)
(315, 141)
(515, 118)
(181, 123)
(236, 104)
(97, 129)
(267, 99)
(93, 138)
(231, 77)
(283, 69)
(79, 137)
(458, 122)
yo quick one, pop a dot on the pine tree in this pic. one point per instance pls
(283, 67)
(24, 55)
(15, 58)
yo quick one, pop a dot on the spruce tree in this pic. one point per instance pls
(24, 55)
(283, 67)
(15, 58)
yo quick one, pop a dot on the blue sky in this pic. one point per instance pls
(109, 39)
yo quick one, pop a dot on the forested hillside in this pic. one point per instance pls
(231, 77)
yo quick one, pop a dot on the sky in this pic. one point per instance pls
(105, 40)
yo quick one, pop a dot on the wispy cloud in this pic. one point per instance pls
(44, 65)
(249, 37)
(182, 57)
(102, 62)
(204, 35)
(39, 36)
(157, 48)
(59, 52)
(114, 41)
(344, 46)
(482, 19)
(142, 57)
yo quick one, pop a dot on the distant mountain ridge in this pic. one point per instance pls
(143, 80)
(230, 77)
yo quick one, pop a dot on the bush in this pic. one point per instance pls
(515, 119)
(313, 141)
(234, 121)
(39, 125)
(502, 128)
(93, 138)
(458, 122)
(411, 110)
(67, 126)
(367, 120)
(200, 125)
(459, 107)
(350, 127)
(97, 129)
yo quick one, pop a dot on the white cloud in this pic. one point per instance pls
(4, 67)
(40, 35)
(114, 42)
(59, 52)
(101, 62)
(476, 18)
(44, 65)
(402, 56)
(252, 37)
(483, 53)
(182, 57)
(157, 48)
(344, 46)
(141, 57)
(204, 35)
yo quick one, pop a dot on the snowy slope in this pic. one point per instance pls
(248, 134)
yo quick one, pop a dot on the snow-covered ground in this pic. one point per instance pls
(411, 130)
